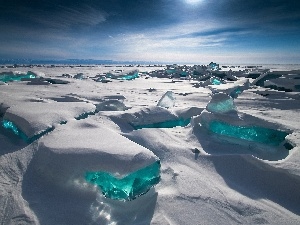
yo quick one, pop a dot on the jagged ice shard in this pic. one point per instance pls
(167, 100)
(129, 187)
(220, 103)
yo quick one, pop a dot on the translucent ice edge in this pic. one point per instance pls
(17, 77)
(235, 93)
(129, 187)
(221, 107)
(129, 77)
(251, 133)
(165, 124)
(216, 81)
(85, 115)
(11, 126)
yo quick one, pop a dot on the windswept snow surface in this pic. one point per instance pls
(205, 178)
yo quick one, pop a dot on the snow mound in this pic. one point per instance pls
(71, 150)
(33, 118)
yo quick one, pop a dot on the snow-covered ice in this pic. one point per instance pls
(102, 138)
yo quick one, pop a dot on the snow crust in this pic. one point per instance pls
(205, 178)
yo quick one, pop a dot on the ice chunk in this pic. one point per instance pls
(76, 154)
(130, 76)
(235, 92)
(220, 103)
(129, 187)
(167, 100)
(16, 77)
(213, 66)
(79, 76)
(250, 133)
(264, 77)
(215, 81)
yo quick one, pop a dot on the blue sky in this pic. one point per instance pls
(179, 31)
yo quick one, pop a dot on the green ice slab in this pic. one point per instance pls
(129, 187)
(129, 76)
(251, 133)
(16, 77)
(165, 124)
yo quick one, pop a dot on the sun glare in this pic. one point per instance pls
(193, 2)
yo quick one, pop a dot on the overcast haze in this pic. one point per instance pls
(182, 31)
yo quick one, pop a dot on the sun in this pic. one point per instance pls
(193, 2)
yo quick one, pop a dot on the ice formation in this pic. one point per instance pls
(130, 76)
(167, 100)
(220, 103)
(79, 76)
(215, 81)
(264, 77)
(128, 187)
(213, 66)
(233, 89)
(16, 77)
(121, 168)
(217, 119)
(250, 133)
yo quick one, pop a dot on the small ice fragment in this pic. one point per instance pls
(111, 105)
(220, 103)
(11, 126)
(213, 66)
(167, 100)
(235, 92)
(215, 81)
(79, 76)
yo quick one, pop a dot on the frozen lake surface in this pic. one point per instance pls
(99, 145)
